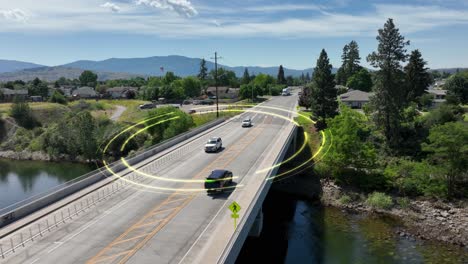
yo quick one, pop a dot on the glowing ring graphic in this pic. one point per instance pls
(223, 110)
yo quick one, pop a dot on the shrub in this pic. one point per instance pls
(345, 199)
(379, 200)
(22, 113)
(403, 202)
(57, 97)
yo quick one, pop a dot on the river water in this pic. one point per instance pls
(20, 180)
(298, 231)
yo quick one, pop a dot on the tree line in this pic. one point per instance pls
(393, 146)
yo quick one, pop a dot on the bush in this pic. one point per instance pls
(57, 97)
(416, 178)
(345, 199)
(404, 202)
(22, 113)
(379, 200)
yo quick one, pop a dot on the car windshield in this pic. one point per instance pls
(212, 141)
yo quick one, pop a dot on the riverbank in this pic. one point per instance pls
(423, 219)
(38, 156)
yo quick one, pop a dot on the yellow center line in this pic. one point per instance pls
(130, 239)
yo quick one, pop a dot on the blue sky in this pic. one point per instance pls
(244, 32)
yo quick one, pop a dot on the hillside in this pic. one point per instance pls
(12, 65)
(54, 73)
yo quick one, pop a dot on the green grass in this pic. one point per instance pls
(132, 114)
(44, 112)
(201, 119)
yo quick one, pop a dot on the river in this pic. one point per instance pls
(20, 180)
(298, 231)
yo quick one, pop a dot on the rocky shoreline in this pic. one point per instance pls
(427, 220)
(37, 156)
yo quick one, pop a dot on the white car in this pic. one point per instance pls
(247, 122)
(214, 144)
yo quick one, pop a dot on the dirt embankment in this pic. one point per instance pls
(431, 220)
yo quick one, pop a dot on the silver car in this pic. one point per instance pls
(247, 122)
(214, 144)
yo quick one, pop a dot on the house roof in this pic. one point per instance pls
(121, 89)
(221, 89)
(85, 90)
(355, 95)
(7, 91)
(437, 92)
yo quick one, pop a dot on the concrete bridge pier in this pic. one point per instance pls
(257, 226)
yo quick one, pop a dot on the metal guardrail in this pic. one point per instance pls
(7, 213)
(61, 216)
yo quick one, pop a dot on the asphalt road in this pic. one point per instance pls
(158, 221)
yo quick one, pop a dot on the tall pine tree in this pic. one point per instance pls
(417, 76)
(246, 77)
(350, 63)
(390, 97)
(323, 93)
(203, 71)
(281, 79)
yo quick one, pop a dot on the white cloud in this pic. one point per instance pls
(135, 18)
(113, 7)
(17, 15)
(182, 7)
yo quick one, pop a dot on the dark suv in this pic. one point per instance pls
(217, 181)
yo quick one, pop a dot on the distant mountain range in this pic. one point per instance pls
(51, 74)
(12, 65)
(180, 65)
(116, 68)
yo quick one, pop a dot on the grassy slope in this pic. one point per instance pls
(45, 113)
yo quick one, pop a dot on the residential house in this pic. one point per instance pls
(438, 95)
(120, 92)
(8, 95)
(84, 92)
(223, 92)
(355, 99)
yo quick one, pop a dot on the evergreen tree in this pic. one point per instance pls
(203, 70)
(341, 73)
(389, 100)
(305, 100)
(246, 77)
(354, 59)
(324, 93)
(417, 76)
(307, 78)
(350, 63)
(281, 78)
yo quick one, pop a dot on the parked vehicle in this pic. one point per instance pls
(207, 102)
(247, 122)
(147, 106)
(217, 181)
(187, 102)
(214, 144)
(192, 111)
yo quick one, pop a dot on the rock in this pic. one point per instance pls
(444, 213)
(440, 218)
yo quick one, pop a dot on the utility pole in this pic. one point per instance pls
(216, 83)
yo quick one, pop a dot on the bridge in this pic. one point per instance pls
(156, 211)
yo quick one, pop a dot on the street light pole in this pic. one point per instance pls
(216, 84)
